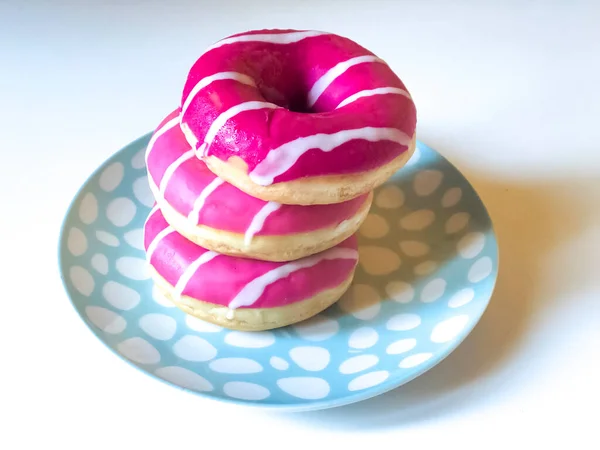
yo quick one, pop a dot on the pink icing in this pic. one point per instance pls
(227, 208)
(284, 74)
(222, 278)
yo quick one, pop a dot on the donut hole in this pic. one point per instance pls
(292, 101)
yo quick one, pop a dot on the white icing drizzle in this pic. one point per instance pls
(171, 170)
(159, 237)
(271, 38)
(194, 215)
(187, 275)
(236, 76)
(158, 133)
(329, 77)
(222, 119)
(255, 288)
(230, 314)
(153, 211)
(258, 221)
(280, 159)
(371, 92)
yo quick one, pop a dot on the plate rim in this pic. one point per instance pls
(312, 405)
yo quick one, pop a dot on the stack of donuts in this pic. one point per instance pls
(265, 171)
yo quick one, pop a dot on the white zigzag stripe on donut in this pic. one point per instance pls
(372, 92)
(282, 158)
(222, 119)
(330, 76)
(171, 170)
(255, 288)
(194, 215)
(187, 275)
(206, 81)
(159, 237)
(258, 221)
(279, 38)
(158, 133)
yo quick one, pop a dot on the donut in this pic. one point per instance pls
(242, 293)
(218, 216)
(297, 117)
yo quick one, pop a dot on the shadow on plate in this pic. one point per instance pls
(531, 221)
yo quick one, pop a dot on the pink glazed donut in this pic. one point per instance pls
(298, 117)
(240, 293)
(220, 217)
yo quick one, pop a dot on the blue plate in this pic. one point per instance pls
(428, 265)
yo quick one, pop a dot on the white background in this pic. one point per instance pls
(508, 91)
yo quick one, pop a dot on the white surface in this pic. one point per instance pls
(509, 93)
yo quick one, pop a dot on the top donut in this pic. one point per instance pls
(297, 117)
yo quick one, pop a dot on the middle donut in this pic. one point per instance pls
(218, 216)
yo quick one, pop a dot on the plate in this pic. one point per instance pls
(428, 265)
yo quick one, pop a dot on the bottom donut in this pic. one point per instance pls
(240, 293)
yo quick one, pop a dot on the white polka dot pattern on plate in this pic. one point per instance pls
(400, 291)
(121, 211)
(133, 268)
(362, 301)
(260, 339)
(451, 197)
(82, 280)
(159, 326)
(368, 380)
(279, 363)
(235, 366)
(105, 319)
(457, 222)
(88, 209)
(100, 263)
(120, 296)
(480, 270)
(312, 359)
(76, 242)
(202, 326)
(363, 337)
(374, 226)
(448, 329)
(417, 220)
(141, 190)
(308, 388)
(461, 298)
(414, 360)
(317, 328)
(378, 260)
(358, 364)
(184, 378)
(427, 267)
(139, 160)
(245, 391)
(427, 181)
(139, 350)
(111, 177)
(107, 238)
(389, 197)
(135, 238)
(414, 249)
(194, 348)
(403, 322)
(471, 244)
(433, 290)
(401, 346)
